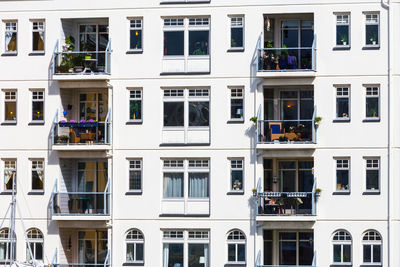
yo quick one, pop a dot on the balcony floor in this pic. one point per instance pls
(81, 147)
(287, 74)
(286, 218)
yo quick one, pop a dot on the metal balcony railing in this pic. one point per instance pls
(258, 262)
(55, 263)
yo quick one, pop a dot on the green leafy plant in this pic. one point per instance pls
(199, 52)
(318, 190)
(283, 138)
(254, 119)
(269, 44)
(374, 38)
(343, 38)
(284, 51)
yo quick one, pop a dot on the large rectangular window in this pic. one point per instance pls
(189, 248)
(296, 248)
(343, 30)
(135, 175)
(135, 105)
(37, 175)
(372, 174)
(10, 106)
(343, 103)
(372, 102)
(343, 174)
(372, 29)
(11, 31)
(236, 104)
(10, 173)
(38, 105)
(38, 31)
(136, 34)
(237, 32)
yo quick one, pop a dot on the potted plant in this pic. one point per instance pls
(317, 192)
(344, 39)
(283, 138)
(254, 119)
(254, 190)
(373, 113)
(373, 39)
(237, 185)
(317, 121)
(63, 139)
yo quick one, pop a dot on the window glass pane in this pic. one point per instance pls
(371, 34)
(377, 253)
(10, 111)
(39, 251)
(236, 108)
(342, 35)
(306, 109)
(135, 109)
(37, 183)
(287, 253)
(231, 252)
(289, 110)
(198, 113)
(372, 107)
(268, 248)
(241, 252)
(198, 185)
(173, 255)
(130, 252)
(367, 253)
(136, 39)
(342, 107)
(236, 37)
(237, 179)
(198, 255)
(135, 180)
(173, 113)
(346, 253)
(173, 43)
(337, 251)
(306, 252)
(198, 43)
(342, 178)
(11, 41)
(139, 252)
(373, 179)
(173, 185)
(37, 111)
(38, 41)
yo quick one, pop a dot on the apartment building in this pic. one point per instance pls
(193, 133)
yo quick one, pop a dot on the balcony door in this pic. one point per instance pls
(296, 248)
(93, 106)
(296, 176)
(93, 37)
(92, 247)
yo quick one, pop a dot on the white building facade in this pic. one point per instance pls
(194, 133)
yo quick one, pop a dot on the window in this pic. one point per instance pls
(236, 247)
(372, 248)
(136, 37)
(135, 105)
(178, 173)
(296, 248)
(192, 245)
(10, 106)
(343, 103)
(134, 246)
(237, 175)
(342, 174)
(135, 175)
(35, 243)
(372, 174)
(372, 102)
(186, 108)
(372, 29)
(237, 32)
(343, 30)
(342, 247)
(37, 105)
(236, 103)
(5, 245)
(38, 36)
(37, 175)
(197, 30)
(10, 173)
(11, 37)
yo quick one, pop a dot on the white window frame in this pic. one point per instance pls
(370, 20)
(5, 238)
(373, 163)
(236, 164)
(38, 95)
(10, 165)
(135, 23)
(40, 29)
(236, 21)
(340, 164)
(38, 166)
(375, 240)
(8, 97)
(373, 91)
(10, 26)
(342, 91)
(239, 238)
(186, 237)
(340, 20)
(137, 239)
(135, 164)
(38, 239)
(342, 243)
(135, 94)
(236, 93)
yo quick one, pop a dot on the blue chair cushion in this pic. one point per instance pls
(275, 129)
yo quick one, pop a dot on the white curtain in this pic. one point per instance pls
(198, 185)
(173, 185)
(166, 255)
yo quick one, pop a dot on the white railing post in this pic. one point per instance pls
(106, 192)
(55, 121)
(106, 126)
(107, 60)
(314, 261)
(314, 53)
(258, 260)
(54, 260)
(314, 139)
(258, 195)
(53, 192)
(258, 124)
(313, 197)
(106, 261)
(53, 59)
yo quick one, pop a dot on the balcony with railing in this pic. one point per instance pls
(292, 253)
(104, 259)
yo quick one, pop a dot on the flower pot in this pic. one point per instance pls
(374, 42)
(344, 43)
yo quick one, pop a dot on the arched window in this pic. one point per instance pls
(5, 244)
(342, 247)
(236, 247)
(35, 242)
(372, 247)
(134, 246)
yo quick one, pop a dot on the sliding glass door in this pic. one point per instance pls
(92, 247)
